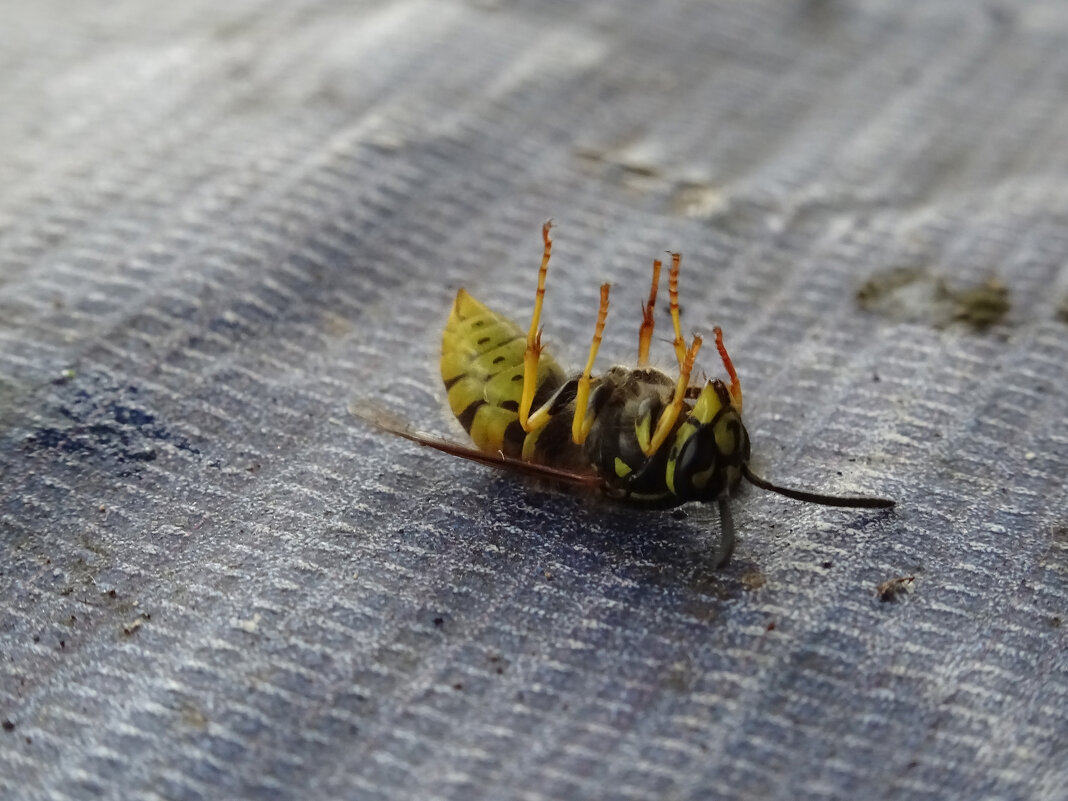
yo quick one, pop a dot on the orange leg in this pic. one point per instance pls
(678, 401)
(673, 293)
(645, 333)
(736, 385)
(533, 351)
(580, 423)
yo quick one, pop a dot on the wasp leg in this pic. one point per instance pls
(533, 351)
(645, 333)
(673, 293)
(736, 385)
(678, 401)
(580, 423)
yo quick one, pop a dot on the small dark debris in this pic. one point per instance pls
(439, 622)
(1055, 621)
(892, 589)
(827, 565)
(136, 624)
(642, 170)
(458, 685)
(770, 626)
(8, 725)
(128, 415)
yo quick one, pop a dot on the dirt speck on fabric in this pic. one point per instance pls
(893, 589)
(753, 580)
(877, 290)
(980, 306)
(913, 294)
(1062, 311)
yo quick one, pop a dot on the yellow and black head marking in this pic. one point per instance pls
(639, 435)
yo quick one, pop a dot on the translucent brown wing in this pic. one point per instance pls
(389, 422)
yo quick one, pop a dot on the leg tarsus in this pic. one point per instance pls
(580, 423)
(673, 294)
(645, 333)
(533, 351)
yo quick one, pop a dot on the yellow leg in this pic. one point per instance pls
(673, 293)
(580, 424)
(736, 385)
(672, 412)
(645, 333)
(533, 351)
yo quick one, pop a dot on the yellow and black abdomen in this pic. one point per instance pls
(482, 367)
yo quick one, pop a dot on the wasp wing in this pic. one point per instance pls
(389, 422)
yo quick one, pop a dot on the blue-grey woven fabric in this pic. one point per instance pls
(223, 223)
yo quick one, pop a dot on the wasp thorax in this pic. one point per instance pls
(626, 405)
(699, 461)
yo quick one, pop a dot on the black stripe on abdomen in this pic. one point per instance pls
(467, 416)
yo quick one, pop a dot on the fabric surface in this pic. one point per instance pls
(222, 223)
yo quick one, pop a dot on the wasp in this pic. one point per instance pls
(639, 435)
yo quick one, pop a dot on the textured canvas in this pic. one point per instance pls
(222, 223)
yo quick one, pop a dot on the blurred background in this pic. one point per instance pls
(220, 224)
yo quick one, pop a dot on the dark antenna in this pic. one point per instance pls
(814, 497)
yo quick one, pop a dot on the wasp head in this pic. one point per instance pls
(709, 449)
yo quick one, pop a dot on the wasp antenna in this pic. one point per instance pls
(815, 497)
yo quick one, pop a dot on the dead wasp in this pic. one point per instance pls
(638, 435)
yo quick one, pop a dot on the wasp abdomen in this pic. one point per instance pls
(482, 368)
